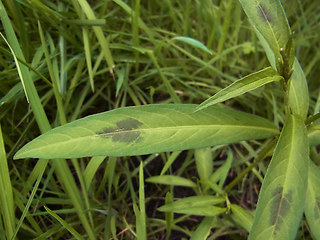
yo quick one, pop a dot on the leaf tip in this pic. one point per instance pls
(18, 155)
(24, 152)
(199, 108)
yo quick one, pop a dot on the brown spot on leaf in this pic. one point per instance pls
(316, 208)
(124, 131)
(280, 207)
(265, 15)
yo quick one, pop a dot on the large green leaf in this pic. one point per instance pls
(312, 203)
(147, 129)
(298, 91)
(243, 85)
(268, 17)
(281, 200)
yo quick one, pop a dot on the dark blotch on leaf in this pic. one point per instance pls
(125, 131)
(265, 15)
(316, 208)
(280, 207)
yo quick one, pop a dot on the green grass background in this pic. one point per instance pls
(77, 58)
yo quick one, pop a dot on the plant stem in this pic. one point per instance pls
(312, 119)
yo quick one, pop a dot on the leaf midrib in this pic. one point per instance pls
(196, 127)
(171, 128)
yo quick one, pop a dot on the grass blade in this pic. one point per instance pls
(99, 34)
(173, 156)
(141, 225)
(193, 42)
(25, 76)
(166, 82)
(26, 208)
(53, 76)
(87, 52)
(65, 224)
(110, 171)
(91, 170)
(169, 216)
(6, 194)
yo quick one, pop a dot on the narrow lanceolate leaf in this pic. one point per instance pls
(193, 42)
(172, 180)
(204, 162)
(281, 200)
(147, 129)
(298, 91)
(242, 86)
(242, 217)
(203, 230)
(190, 202)
(312, 203)
(196, 205)
(209, 211)
(270, 20)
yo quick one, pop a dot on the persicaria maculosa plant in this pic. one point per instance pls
(290, 186)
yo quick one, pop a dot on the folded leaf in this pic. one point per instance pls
(281, 199)
(242, 86)
(147, 129)
(298, 91)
